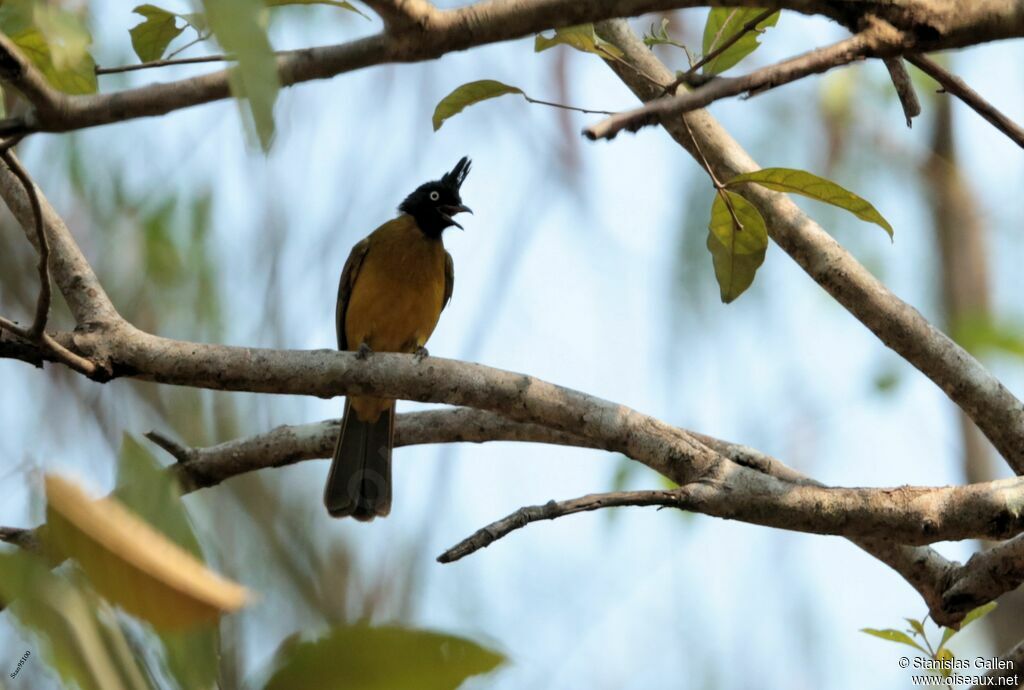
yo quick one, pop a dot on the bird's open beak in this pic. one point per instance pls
(449, 211)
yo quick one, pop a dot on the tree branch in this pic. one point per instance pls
(551, 510)
(42, 246)
(864, 44)
(959, 88)
(399, 15)
(904, 88)
(69, 268)
(934, 25)
(1012, 672)
(995, 410)
(733, 40)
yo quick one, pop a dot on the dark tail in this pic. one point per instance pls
(359, 482)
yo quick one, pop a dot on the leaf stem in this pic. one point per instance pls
(166, 62)
(567, 107)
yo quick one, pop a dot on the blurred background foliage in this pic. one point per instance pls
(585, 264)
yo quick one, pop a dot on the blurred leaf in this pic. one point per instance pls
(133, 565)
(381, 658)
(917, 626)
(335, 3)
(467, 95)
(151, 491)
(163, 261)
(237, 27)
(978, 614)
(197, 20)
(54, 40)
(980, 334)
(581, 38)
(737, 250)
(73, 77)
(722, 25)
(886, 382)
(17, 16)
(894, 636)
(814, 187)
(151, 37)
(68, 630)
(945, 655)
(660, 37)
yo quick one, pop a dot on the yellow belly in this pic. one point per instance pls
(396, 299)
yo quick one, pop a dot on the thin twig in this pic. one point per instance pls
(551, 510)
(959, 88)
(11, 142)
(199, 38)
(817, 61)
(178, 451)
(43, 267)
(76, 362)
(166, 62)
(744, 30)
(567, 107)
(904, 88)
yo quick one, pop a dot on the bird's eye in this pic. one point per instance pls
(434, 196)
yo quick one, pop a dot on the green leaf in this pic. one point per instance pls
(581, 38)
(945, 655)
(54, 40)
(917, 626)
(334, 3)
(151, 37)
(254, 79)
(78, 78)
(381, 658)
(84, 651)
(814, 187)
(722, 25)
(978, 614)
(151, 491)
(467, 95)
(660, 37)
(981, 334)
(946, 635)
(894, 636)
(736, 250)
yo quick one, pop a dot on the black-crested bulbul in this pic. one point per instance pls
(393, 288)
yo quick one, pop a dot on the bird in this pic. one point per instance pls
(393, 288)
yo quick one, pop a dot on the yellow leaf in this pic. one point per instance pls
(131, 564)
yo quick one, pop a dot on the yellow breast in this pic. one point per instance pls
(399, 292)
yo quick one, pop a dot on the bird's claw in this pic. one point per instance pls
(421, 353)
(364, 351)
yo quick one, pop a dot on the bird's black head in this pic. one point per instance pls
(433, 204)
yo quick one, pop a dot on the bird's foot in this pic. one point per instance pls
(420, 353)
(364, 351)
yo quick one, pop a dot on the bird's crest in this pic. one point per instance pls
(457, 176)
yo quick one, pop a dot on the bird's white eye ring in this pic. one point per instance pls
(434, 196)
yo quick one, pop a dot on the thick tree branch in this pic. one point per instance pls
(1014, 673)
(933, 24)
(69, 268)
(986, 576)
(959, 88)
(983, 398)
(42, 246)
